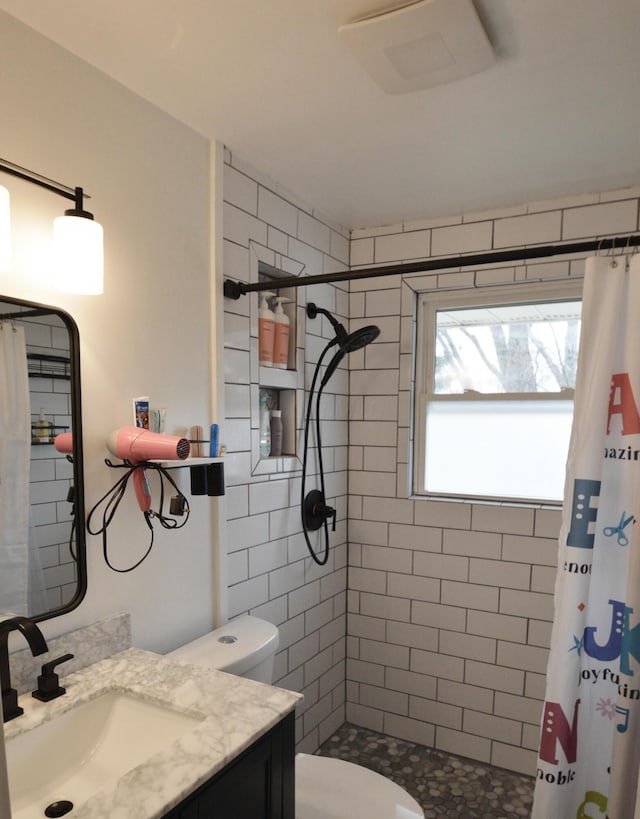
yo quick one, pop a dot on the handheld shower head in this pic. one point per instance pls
(314, 509)
(347, 342)
(360, 338)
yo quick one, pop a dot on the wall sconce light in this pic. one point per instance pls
(78, 263)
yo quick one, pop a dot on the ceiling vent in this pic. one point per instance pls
(420, 45)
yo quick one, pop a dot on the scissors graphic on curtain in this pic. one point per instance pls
(618, 530)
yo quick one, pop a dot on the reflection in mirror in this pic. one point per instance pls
(42, 549)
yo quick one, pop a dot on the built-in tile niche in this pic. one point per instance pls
(281, 389)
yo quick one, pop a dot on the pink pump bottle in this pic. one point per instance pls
(281, 335)
(266, 330)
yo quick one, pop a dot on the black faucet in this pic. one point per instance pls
(37, 644)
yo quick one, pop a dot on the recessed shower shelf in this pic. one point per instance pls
(278, 379)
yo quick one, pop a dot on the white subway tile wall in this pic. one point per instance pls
(441, 622)
(270, 573)
(450, 604)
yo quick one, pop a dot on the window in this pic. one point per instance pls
(495, 378)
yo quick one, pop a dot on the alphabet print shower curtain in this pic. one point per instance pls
(590, 739)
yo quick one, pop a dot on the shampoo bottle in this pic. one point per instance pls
(276, 432)
(43, 427)
(265, 431)
(266, 326)
(281, 335)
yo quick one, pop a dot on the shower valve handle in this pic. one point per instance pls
(327, 512)
(315, 511)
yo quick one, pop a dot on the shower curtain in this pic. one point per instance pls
(15, 456)
(590, 735)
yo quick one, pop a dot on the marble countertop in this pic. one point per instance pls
(233, 713)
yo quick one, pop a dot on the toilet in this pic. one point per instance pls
(326, 788)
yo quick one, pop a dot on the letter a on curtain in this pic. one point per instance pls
(590, 734)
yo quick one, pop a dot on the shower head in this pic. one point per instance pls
(360, 338)
(347, 342)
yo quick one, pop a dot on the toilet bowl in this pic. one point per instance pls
(326, 788)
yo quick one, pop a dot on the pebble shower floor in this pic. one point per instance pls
(446, 786)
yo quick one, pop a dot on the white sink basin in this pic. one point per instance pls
(85, 749)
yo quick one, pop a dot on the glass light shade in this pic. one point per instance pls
(5, 231)
(78, 255)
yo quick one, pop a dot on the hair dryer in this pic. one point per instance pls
(64, 443)
(135, 444)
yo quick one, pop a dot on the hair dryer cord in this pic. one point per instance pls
(112, 499)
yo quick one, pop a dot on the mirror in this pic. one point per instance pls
(42, 532)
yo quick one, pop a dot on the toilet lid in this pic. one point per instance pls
(329, 788)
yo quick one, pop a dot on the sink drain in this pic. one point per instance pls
(60, 808)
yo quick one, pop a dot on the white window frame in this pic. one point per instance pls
(428, 304)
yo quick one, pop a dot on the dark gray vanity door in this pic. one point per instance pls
(259, 784)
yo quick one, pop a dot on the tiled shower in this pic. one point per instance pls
(433, 625)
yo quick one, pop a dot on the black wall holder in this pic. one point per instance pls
(207, 479)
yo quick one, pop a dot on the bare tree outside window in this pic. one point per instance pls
(528, 349)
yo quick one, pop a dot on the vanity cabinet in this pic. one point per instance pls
(257, 784)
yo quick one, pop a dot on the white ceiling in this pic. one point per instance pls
(558, 114)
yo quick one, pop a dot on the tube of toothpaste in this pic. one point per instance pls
(141, 411)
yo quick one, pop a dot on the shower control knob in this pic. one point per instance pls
(316, 511)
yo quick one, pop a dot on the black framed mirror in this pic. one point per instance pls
(42, 517)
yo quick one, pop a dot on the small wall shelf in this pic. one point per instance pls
(204, 480)
(52, 430)
(177, 462)
(57, 367)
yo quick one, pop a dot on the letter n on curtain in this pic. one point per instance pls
(590, 735)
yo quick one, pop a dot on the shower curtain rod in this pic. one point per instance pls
(234, 289)
(26, 313)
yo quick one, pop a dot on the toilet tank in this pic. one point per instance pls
(245, 646)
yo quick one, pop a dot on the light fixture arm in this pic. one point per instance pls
(76, 195)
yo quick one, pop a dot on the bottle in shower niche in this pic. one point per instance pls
(281, 335)
(266, 329)
(276, 432)
(265, 428)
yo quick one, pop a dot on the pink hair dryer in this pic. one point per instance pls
(64, 443)
(135, 444)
